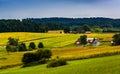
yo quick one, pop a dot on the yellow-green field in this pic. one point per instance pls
(72, 53)
(62, 45)
(102, 65)
(57, 40)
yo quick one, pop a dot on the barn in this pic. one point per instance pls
(93, 41)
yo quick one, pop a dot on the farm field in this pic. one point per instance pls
(103, 65)
(67, 53)
(61, 45)
(50, 39)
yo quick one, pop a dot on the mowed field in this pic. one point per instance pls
(50, 39)
(61, 45)
(103, 65)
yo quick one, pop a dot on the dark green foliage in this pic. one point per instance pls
(47, 54)
(116, 39)
(66, 30)
(42, 61)
(39, 57)
(12, 45)
(86, 28)
(40, 45)
(43, 53)
(29, 57)
(45, 24)
(11, 48)
(32, 45)
(13, 41)
(56, 63)
(22, 47)
(81, 29)
(83, 39)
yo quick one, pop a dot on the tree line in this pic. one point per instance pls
(13, 25)
(45, 24)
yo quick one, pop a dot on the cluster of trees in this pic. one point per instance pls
(98, 24)
(27, 26)
(41, 56)
(81, 29)
(66, 24)
(13, 45)
(116, 39)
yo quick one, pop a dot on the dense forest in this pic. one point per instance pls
(45, 24)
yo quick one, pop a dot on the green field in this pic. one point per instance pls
(50, 39)
(62, 45)
(104, 65)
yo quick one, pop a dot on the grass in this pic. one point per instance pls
(57, 40)
(62, 45)
(23, 36)
(103, 65)
(67, 53)
(85, 52)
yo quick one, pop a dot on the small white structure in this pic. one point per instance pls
(96, 42)
(90, 40)
(88, 32)
(112, 43)
(93, 41)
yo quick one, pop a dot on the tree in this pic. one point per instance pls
(22, 47)
(86, 27)
(13, 41)
(83, 39)
(40, 45)
(29, 57)
(116, 39)
(43, 54)
(32, 45)
(12, 45)
(66, 30)
(38, 57)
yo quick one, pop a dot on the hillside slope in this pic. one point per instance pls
(103, 65)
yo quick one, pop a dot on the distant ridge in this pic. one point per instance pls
(93, 21)
(58, 23)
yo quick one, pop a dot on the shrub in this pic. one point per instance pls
(43, 54)
(42, 61)
(29, 57)
(13, 41)
(116, 39)
(12, 45)
(56, 63)
(39, 57)
(11, 48)
(32, 45)
(40, 45)
(47, 54)
(22, 47)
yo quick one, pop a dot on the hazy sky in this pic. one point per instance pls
(59, 8)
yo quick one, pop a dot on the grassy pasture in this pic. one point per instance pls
(24, 36)
(56, 40)
(67, 53)
(103, 65)
(61, 44)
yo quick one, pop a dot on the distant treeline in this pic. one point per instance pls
(45, 24)
(27, 26)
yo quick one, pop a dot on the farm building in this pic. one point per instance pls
(88, 32)
(93, 41)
